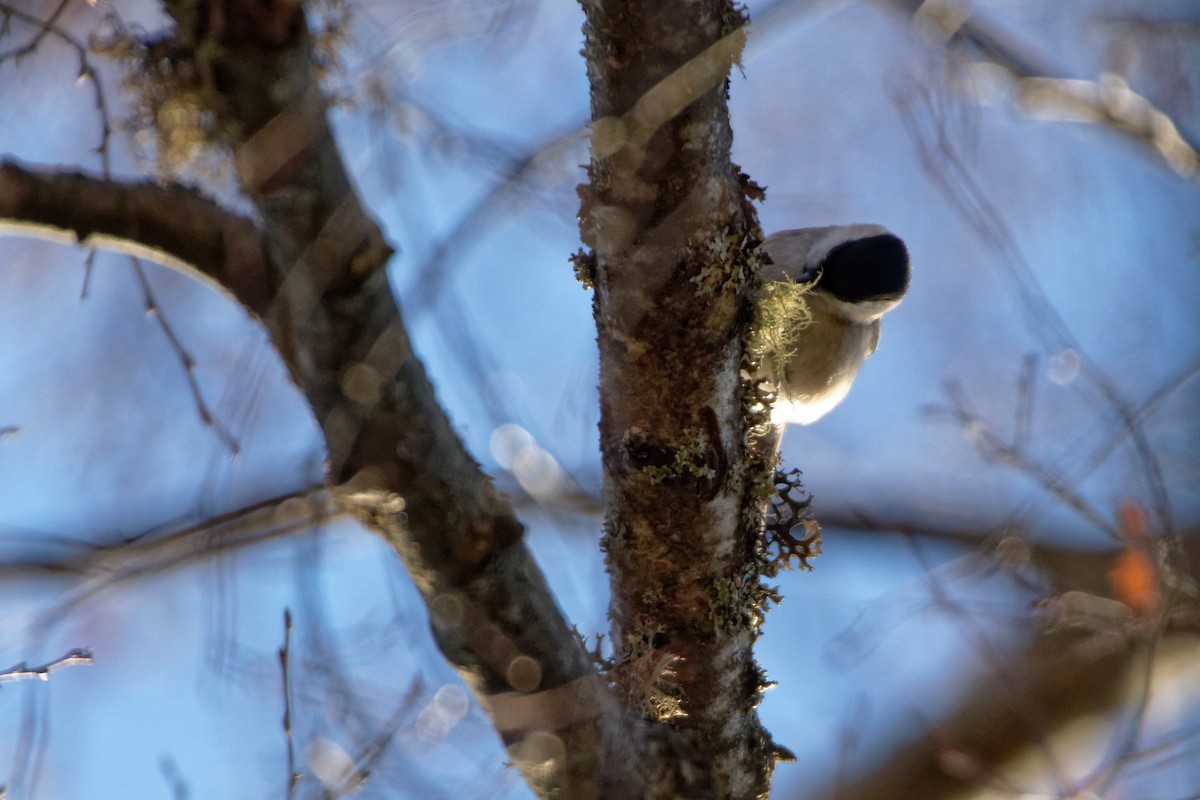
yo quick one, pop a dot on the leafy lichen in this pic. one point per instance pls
(731, 259)
(648, 674)
(790, 511)
(689, 459)
(741, 602)
(584, 264)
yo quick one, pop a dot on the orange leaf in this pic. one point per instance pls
(1133, 576)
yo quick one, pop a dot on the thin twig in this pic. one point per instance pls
(89, 265)
(31, 740)
(942, 163)
(87, 72)
(185, 358)
(111, 567)
(1021, 704)
(1126, 741)
(1025, 400)
(45, 27)
(1108, 101)
(995, 449)
(21, 672)
(1137, 415)
(293, 777)
(173, 776)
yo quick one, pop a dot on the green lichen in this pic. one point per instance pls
(725, 608)
(741, 602)
(583, 262)
(614, 539)
(688, 460)
(731, 259)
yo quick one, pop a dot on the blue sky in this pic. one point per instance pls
(186, 680)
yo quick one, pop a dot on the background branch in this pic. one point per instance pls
(337, 325)
(1042, 91)
(21, 672)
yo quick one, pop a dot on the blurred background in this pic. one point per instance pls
(1006, 604)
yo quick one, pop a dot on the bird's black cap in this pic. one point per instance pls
(871, 268)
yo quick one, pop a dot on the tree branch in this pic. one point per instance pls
(1057, 680)
(339, 330)
(21, 672)
(1108, 101)
(673, 241)
(169, 224)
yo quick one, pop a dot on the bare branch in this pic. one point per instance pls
(293, 777)
(87, 72)
(549, 157)
(1112, 103)
(172, 225)
(1068, 670)
(1108, 101)
(21, 672)
(185, 359)
(44, 28)
(173, 776)
(157, 551)
(996, 449)
(944, 165)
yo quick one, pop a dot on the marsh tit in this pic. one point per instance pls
(824, 298)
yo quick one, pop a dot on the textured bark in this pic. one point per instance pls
(672, 238)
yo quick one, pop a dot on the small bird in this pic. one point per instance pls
(848, 277)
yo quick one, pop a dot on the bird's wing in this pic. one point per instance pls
(873, 341)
